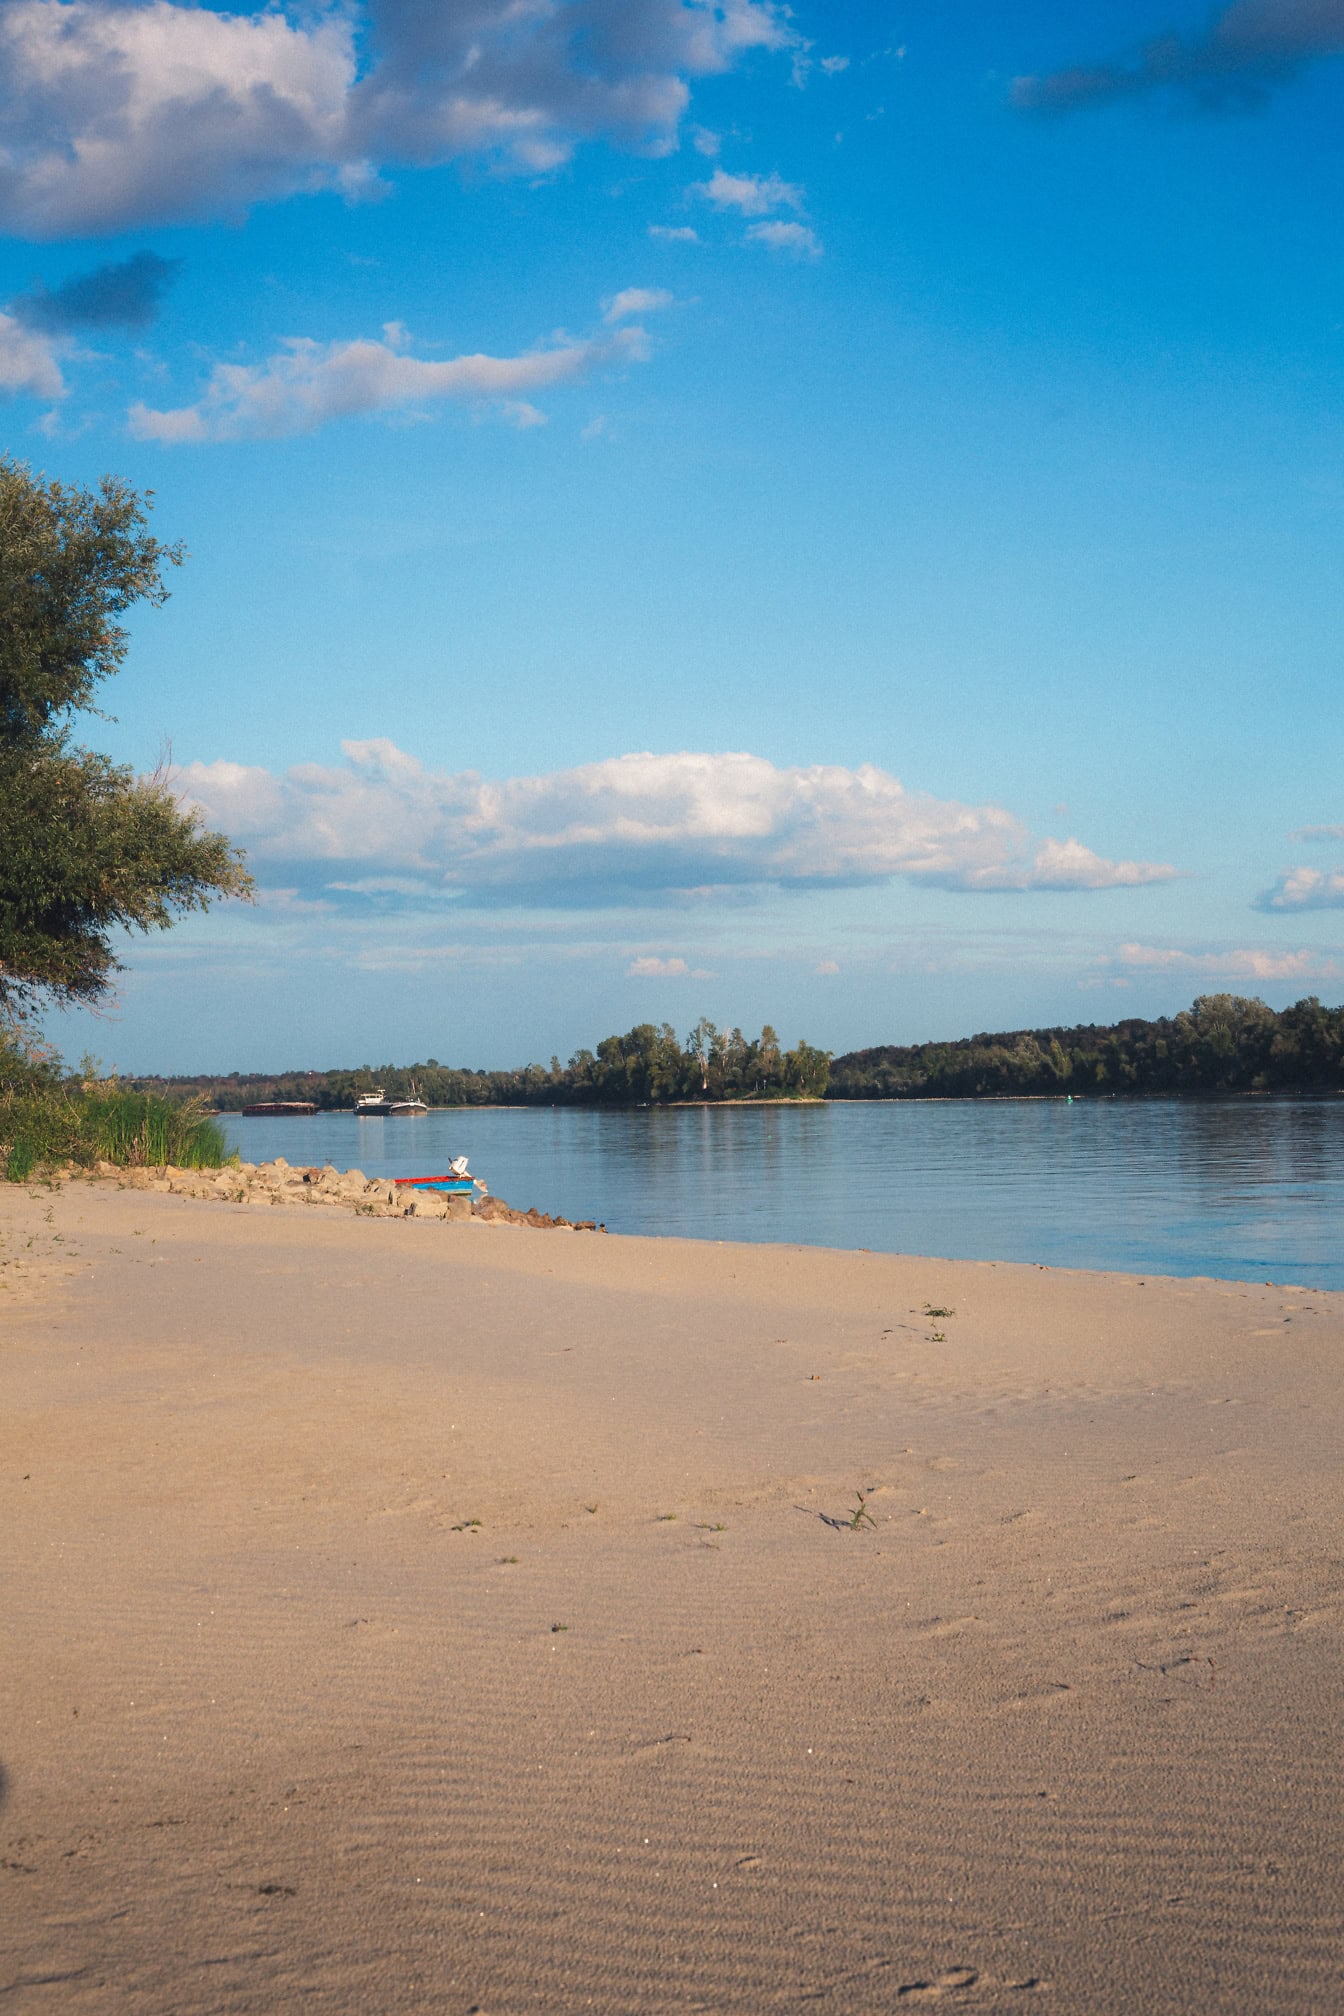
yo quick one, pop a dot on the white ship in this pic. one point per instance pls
(377, 1106)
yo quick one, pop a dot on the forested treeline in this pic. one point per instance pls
(648, 1066)
(1223, 1043)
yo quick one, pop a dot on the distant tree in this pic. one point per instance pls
(87, 848)
(702, 1049)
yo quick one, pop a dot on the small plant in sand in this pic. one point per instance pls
(929, 1310)
(861, 1516)
(468, 1525)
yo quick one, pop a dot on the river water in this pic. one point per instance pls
(1245, 1189)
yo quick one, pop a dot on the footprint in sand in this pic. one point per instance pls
(955, 1981)
(961, 1983)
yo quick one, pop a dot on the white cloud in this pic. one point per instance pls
(657, 969)
(1244, 963)
(306, 384)
(799, 240)
(1306, 889)
(636, 301)
(826, 968)
(705, 142)
(1066, 864)
(119, 114)
(122, 114)
(1318, 833)
(833, 65)
(28, 361)
(631, 827)
(675, 234)
(753, 195)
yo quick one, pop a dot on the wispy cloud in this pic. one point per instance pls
(632, 828)
(652, 968)
(1240, 963)
(1249, 49)
(28, 361)
(675, 234)
(753, 195)
(305, 384)
(119, 115)
(635, 301)
(125, 295)
(780, 234)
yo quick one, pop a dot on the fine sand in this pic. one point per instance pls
(419, 1616)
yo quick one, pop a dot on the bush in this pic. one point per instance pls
(48, 1120)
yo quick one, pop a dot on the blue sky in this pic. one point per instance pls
(829, 516)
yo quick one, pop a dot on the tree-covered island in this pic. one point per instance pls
(1223, 1043)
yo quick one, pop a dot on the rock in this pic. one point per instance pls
(427, 1204)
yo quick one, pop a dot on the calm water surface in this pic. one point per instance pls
(1246, 1189)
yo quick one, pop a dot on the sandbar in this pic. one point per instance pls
(412, 1616)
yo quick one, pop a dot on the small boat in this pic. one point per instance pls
(377, 1106)
(457, 1182)
(279, 1109)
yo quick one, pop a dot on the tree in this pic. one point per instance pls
(87, 848)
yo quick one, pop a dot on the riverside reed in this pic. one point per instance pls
(49, 1120)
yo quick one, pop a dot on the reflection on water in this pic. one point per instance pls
(1248, 1189)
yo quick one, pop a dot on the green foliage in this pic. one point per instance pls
(87, 849)
(645, 1067)
(48, 1121)
(1222, 1043)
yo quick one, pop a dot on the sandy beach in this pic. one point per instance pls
(417, 1616)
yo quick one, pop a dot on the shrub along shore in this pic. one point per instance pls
(49, 1120)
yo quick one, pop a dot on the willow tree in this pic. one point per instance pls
(88, 849)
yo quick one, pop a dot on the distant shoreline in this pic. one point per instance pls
(1270, 1094)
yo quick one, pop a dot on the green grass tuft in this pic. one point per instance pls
(49, 1121)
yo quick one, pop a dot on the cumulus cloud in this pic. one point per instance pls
(1248, 50)
(125, 295)
(306, 384)
(657, 969)
(781, 235)
(753, 195)
(635, 827)
(1244, 963)
(1305, 889)
(28, 361)
(635, 301)
(117, 115)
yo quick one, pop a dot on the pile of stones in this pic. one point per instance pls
(346, 1189)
